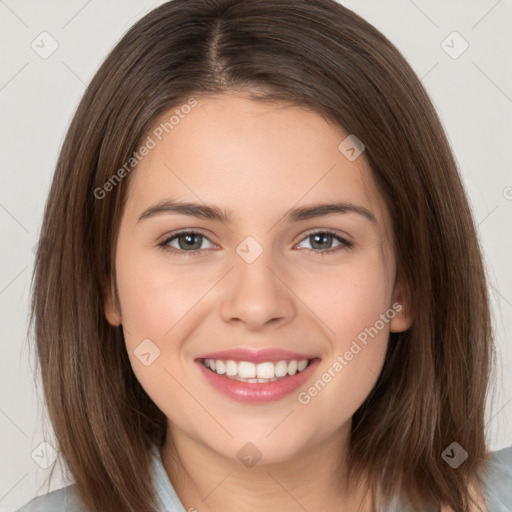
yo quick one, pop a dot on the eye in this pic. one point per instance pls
(188, 243)
(322, 242)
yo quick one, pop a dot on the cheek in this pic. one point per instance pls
(155, 302)
(354, 306)
(155, 298)
(349, 299)
(159, 303)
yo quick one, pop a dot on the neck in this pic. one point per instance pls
(315, 479)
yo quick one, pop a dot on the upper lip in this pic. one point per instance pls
(256, 356)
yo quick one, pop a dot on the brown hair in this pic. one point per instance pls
(314, 53)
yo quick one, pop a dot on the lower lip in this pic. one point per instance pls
(258, 392)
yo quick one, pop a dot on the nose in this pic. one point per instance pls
(257, 294)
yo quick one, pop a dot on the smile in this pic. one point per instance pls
(249, 382)
(246, 371)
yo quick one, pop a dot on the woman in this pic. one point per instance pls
(255, 372)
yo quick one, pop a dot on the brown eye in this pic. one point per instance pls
(322, 242)
(186, 243)
(189, 241)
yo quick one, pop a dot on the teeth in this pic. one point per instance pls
(265, 371)
(302, 364)
(231, 369)
(292, 367)
(252, 381)
(220, 367)
(281, 369)
(246, 371)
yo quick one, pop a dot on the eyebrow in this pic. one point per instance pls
(210, 212)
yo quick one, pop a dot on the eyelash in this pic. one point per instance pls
(344, 244)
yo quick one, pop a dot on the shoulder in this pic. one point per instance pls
(61, 500)
(498, 481)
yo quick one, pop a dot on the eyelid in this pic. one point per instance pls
(340, 234)
(345, 242)
(162, 241)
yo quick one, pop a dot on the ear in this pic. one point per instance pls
(401, 304)
(111, 304)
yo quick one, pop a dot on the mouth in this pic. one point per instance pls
(262, 373)
(262, 379)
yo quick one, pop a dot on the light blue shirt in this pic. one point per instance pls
(497, 490)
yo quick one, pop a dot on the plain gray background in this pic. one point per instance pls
(472, 91)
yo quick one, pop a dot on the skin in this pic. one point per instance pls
(257, 161)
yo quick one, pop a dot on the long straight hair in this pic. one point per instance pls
(314, 53)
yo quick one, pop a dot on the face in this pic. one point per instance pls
(250, 275)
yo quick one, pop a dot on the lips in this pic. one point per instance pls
(256, 389)
(257, 356)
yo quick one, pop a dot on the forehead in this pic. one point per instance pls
(250, 157)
